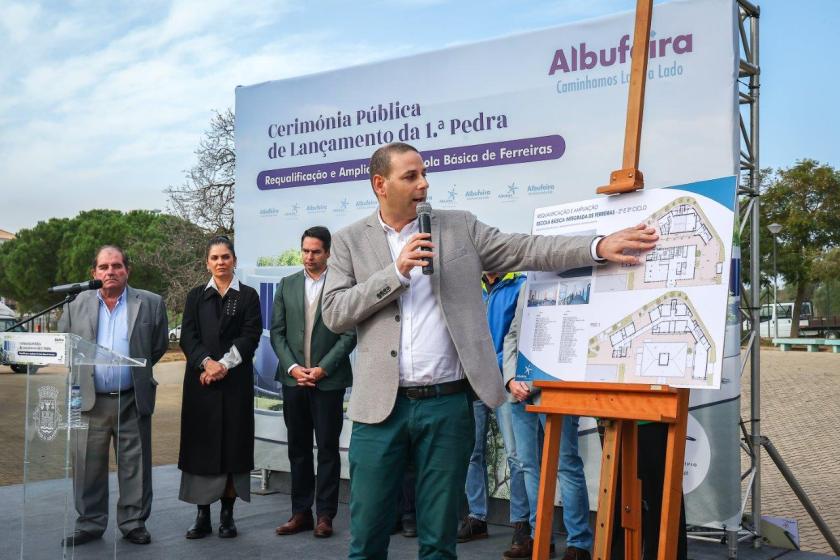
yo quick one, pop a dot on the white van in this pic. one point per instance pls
(784, 317)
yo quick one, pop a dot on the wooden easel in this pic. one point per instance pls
(621, 405)
(618, 404)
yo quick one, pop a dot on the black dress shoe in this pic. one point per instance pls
(202, 526)
(227, 528)
(78, 538)
(138, 535)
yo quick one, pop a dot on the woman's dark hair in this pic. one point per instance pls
(219, 240)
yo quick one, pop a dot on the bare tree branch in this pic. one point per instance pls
(180, 259)
(206, 196)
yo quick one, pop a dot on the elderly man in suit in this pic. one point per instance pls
(117, 401)
(314, 367)
(424, 344)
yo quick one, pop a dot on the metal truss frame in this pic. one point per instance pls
(749, 86)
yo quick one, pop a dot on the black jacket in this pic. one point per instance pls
(217, 420)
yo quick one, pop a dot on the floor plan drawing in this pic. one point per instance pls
(689, 253)
(664, 342)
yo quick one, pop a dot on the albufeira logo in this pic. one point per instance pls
(540, 189)
(269, 212)
(579, 57)
(366, 204)
(478, 194)
(316, 208)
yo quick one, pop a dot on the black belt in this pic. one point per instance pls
(433, 391)
(115, 393)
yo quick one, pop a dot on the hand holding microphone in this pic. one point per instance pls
(415, 253)
(418, 249)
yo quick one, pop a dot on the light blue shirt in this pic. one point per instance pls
(112, 333)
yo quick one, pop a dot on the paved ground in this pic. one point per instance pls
(256, 522)
(800, 403)
(800, 396)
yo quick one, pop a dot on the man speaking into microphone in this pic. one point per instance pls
(424, 347)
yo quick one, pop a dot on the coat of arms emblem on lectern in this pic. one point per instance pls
(47, 416)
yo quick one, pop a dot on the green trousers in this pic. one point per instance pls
(437, 435)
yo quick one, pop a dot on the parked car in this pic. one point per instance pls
(175, 334)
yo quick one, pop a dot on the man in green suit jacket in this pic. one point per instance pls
(314, 367)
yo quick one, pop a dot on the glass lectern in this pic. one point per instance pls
(55, 431)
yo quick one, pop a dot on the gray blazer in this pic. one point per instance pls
(148, 336)
(362, 291)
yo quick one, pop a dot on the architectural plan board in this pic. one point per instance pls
(661, 321)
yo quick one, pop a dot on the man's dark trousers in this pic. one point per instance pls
(307, 409)
(435, 434)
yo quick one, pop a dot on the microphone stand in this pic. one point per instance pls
(67, 299)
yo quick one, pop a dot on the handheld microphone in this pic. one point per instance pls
(76, 288)
(424, 215)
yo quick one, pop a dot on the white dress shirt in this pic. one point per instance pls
(313, 287)
(427, 354)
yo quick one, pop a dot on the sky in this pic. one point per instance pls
(103, 102)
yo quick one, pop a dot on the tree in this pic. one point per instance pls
(164, 251)
(178, 258)
(92, 229)
(289, 257)
(826, 297)
(805, 200)
(206, 196)
(29, 263)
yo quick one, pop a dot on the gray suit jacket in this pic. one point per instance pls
(362, 290)
(148, 336)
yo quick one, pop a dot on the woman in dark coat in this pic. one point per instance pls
(220, 331)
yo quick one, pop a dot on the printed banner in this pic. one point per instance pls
(505, 127)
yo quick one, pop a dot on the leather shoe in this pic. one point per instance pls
(575, 553)
(409, 526)
(79, 537)
(324, 528)
(202, 526)
(524, 549)
(138, 535)
(297, 522)
(472, 529)
(227, 528)
(520, 548)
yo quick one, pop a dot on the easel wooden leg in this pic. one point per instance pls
(606, 491)
(631, 492)
(548, 485)
(672, 488)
